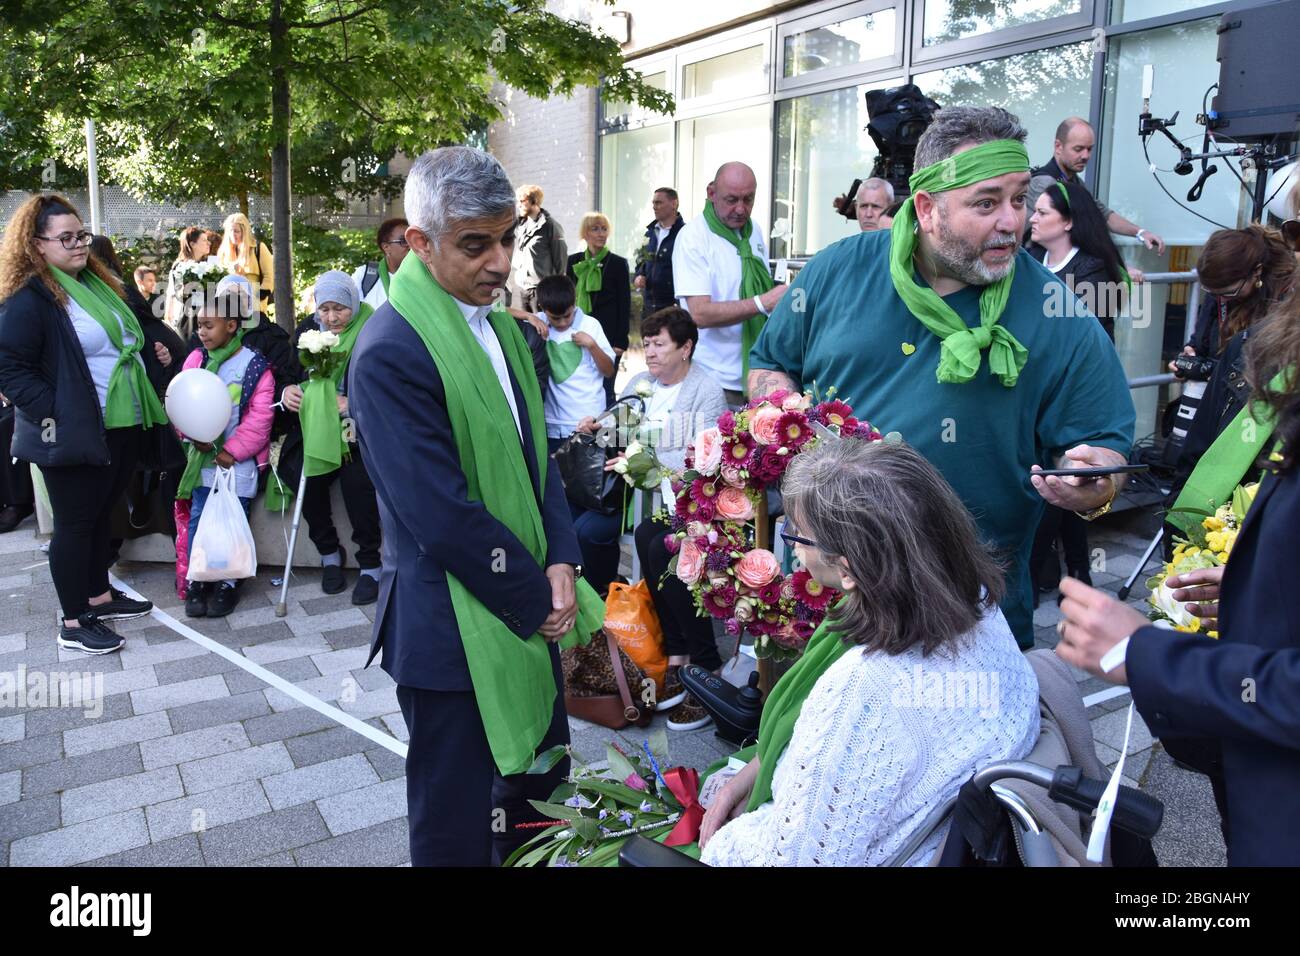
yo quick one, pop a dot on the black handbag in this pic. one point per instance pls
(581, 462)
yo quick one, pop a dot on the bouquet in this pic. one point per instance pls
(640, 466)
(316, 352)
(197, 282)
(596, 810)
(1208, 546)
(728, 471)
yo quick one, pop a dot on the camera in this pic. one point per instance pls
(848, 211)
(1194, 368)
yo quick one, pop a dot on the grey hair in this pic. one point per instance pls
(454, 184)
(875, 182)
(957, 126)
(923, 576)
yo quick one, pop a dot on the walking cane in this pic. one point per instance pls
(282, 608)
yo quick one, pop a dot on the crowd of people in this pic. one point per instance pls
(936, 317)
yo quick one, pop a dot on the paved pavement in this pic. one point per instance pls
(193, 761)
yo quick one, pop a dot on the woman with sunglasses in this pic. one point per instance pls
(372, 278)
(70, 362)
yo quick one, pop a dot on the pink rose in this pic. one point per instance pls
(744, 610)
(795, 402)
(708, 451)
(732, 475)
(755, 569)
(690, 562)
(763, 422)
(734, 505)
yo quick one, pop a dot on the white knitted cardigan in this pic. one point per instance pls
(880, 742)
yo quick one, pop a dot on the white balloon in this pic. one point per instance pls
(198, 404)
(1280, 185)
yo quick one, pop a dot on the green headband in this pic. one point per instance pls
(1065, 193)
(985, 161)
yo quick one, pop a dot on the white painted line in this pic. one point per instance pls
(275, 680)
(38, 564)
(1110, 693)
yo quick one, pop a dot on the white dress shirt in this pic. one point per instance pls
(476, 316)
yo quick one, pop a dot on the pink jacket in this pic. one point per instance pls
(252, 437)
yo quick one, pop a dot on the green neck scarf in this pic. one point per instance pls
(1224, 464)
(754, 280)
(513, 684)
(383, 274)
(565, 357)
(324, 446)
(781, 709)
(195, 460)
(590, 279)
(128, 383)
(959, 355)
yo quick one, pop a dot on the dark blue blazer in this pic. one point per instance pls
(430, 527)
(1243, 689)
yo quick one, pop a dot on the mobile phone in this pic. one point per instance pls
(1090, 472)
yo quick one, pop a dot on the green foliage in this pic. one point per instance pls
(317, 250)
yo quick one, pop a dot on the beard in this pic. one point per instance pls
(961, 260)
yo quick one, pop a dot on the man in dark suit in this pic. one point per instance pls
(462, 810)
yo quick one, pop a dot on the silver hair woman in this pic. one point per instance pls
(928, 684)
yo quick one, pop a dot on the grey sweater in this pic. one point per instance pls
(698, 406)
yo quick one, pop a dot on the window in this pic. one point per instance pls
(1127, 11)
(1041, 88)
(846, 42)
(948, 20)
(739, 73)
(616, 109)
(633, 165)
(822, 146)
(706, 143)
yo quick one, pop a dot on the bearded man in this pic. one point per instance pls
(943, 329)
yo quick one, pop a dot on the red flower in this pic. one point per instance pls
(727, 422)
(810, 591)
(770, 592)
(688, 509)
(768, 465)
(793, 430)
(719, 601)
(739, 451)
(672, 544)
(704, 489)
(834, 413)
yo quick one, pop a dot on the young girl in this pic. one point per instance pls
(245, 444)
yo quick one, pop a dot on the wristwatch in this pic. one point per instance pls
(1105, 508)
(1139, 234)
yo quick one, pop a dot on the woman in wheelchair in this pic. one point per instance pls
(913, 682)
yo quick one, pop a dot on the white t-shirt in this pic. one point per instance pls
(1058, 266)
(706, 264)
(583, 392)
(376, 296)
(659, 406)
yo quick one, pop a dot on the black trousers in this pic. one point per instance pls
(685, 632)
(461, 812)
(362, 506)
(1044, 562)
(83, 498)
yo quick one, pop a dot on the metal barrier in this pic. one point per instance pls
(1189, 325)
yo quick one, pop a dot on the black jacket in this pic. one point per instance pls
(612, 305)
(1226, 393)
(43, 371)
(541, 359)
(1082, 273)
(658, 270)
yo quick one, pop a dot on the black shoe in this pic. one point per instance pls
(332, 580)
(196, 599)
(14, 515)
(121, 608)
(93, 637)
(224, 600)
(366, 591)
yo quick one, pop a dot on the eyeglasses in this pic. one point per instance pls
(394, 242)
(791, 539)
(69, 240)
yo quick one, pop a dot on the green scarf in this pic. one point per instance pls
(323, 444)
(383, 274)
(754, 280)
(128, 384)
(565, 357)
(1224, 464)
(959, 355)
(590, 277)
(781, 709)
(512, 678)
(195, 460)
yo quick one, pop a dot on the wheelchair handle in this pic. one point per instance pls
(1137, 812)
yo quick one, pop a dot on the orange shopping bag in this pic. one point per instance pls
(630, 617)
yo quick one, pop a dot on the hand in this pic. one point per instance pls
(772, 296)
(292, 397)
(583, 340)
(1200, 586)
(1079, 494)
(202, 446)
(542, 328)
(1092, 623)
(729, 803)
(164, 356)
(609, 465)
(343, 404)
(564, 603)
(588, 426)
(638, 282)
(1137, 275)
(838, 203)
(1152, 241)
(225, 459)
(1187, 350)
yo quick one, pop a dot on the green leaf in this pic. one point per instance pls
(548, 759)
(586, 828)
(535, 850)
(555, 811)
(619, 765)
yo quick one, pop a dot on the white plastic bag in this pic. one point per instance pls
(223, 546)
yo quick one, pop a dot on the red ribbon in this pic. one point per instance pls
(685, 786)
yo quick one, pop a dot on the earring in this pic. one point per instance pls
(1259, 283)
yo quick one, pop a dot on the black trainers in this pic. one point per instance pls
(93, 637)
(121, 608)
(366, 591)
(225, 598)
(196, 598)
(14, 515)
(332, 580)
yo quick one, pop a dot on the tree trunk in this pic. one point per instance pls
(243, 203)
(281, 195)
